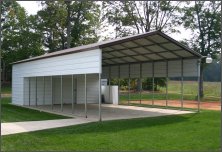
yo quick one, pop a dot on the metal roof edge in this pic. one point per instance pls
(179, 44)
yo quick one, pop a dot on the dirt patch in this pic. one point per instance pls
(186, 104)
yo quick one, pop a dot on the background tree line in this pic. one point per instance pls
(63, 24)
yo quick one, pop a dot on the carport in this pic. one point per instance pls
(72, 77)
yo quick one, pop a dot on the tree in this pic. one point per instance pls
(131, 17)
(67, 24)
(204, 19)
(20, 39)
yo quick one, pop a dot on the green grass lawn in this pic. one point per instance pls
(199, 131)
(12, 113)
(211, 91)
(7, 89)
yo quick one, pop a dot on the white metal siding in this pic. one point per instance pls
(160, 69)
(78, 63)
(92, 82)
(174, 68)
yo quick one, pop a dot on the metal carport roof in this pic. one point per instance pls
(146, 47)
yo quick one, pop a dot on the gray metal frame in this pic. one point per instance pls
(43, 90)
(52, 92)
(141, 84)
(198, 79)
(85, 97)
(100, 116)
(129, 87)
(36, 95)
(72, 95)
(61, 83)
(181, 83)
(29, 91)
(167, 79)
(153, 84)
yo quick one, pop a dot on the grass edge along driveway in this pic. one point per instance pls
(191, 132)
(13, 113)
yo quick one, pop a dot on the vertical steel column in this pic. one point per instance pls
(36, 95)
(109, 83)
(52, 91)
(61, 94)
(29, 91)
(181, 83)
(153, 83)
(167, 75)
(198, 79)
(129, 86)
(119, 84)
(140, 80)
(85, 97)
(72, 95)
(43, 90)
(100, 117)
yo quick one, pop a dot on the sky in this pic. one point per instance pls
(32, 8)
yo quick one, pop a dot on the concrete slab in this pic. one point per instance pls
(28, 126)
(109, 112)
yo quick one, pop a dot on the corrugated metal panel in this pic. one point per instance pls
(147, 70)
(105, 72)
(143, 41)
(130, 44)
(160, 69)
(155, 48)
(141, 50)
(128, 52)
(114, 71)
(174, 68)
(134, 70)
(124, 71)
(154, 57)
(168, 55)
(171, 46)
(92, 89)
(158, 39)
(141, 58)
(183, 53)
(190, 67)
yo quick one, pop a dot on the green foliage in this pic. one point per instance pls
(130, 17)
(53, 21)
(20, 39)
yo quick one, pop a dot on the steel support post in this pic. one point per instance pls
(129, 86)
(52, 92)
(100, 116)
(118, 84)
(140, 82)
(36, 95)
(198, 79)
(153, 83)
(61, 93)
(182, 84)
(29, 91)
(85, 97)
(167, 78)
(72, 95)
(109, 84)
(43, 90)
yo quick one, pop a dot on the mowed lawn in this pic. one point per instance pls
(211, 92)
(198, 131)
(12, 113)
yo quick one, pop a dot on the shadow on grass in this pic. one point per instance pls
(115, 126)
